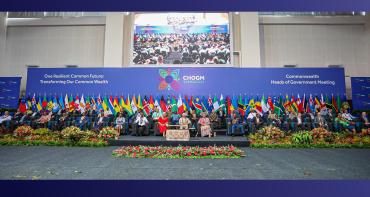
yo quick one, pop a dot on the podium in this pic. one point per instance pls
(174, 133)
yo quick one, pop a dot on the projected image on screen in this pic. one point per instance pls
(181, 38)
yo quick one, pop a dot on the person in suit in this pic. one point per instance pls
(365, 120)
(142, 124)
(82, 121)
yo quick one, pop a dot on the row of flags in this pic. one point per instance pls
(131, 104)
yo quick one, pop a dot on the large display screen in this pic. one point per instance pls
(181, 38)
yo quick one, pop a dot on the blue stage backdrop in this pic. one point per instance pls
(185, 81)
(360, 93)
(9, 92)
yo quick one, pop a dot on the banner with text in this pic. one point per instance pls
(360, 93)
(185, 81)
(9, 92)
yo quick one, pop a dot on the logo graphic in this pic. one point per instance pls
(169, 80)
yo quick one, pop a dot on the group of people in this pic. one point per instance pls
(138, 124)
(203, 124)
(294, 121)
(202, 48)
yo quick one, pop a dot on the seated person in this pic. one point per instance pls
(45, 118)
(300, 124)
(365, 120)
(175, 117)
(5, 119)
(193, 119)
(100, 121)
(340, 120)
(184, 122)
(347, 115)
(25, 118)
(155, 116)
(205, 125)
(142, 124)
(63, 121)
(236, 122)
(120, 121)
(162, 124)
(273, 119)
(320, 121)
(82, 121)
(213, 117)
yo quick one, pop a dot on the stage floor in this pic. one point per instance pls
(240, 141)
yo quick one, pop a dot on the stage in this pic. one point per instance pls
(221, 140)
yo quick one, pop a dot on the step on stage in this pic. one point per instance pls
(219, 140)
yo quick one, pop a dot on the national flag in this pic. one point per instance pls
(299, 104)
(186, 102)
(151, 103)
(334, 103)
(99, 103)
(264, 105)
(77, 104)
(204, 103)
(104, 104)
(122, 102)
(251, 106)
(162, 104)
(311, 105)
(116, 106)
(108, 107)
(39, 107)
(258, 107)
(222, 104)
(146, 108)
(216, 104)
(66, 102)
(139, 103)
(322, 102)
(234, 104)
(210, 103)
(128, 106)
(133, 104)
(173, 105)
(61, 102)
(293, 105)
(191, 103)
(317, 103)
(34, 103)
(50, 104)
(55, 105)
(180, 105)
(228, 105)
(339, 103)
(44, 102)
(93, 104)
(82, 104)
(241, 106)
(270, 103)
(22, 106)
(198, 106)
(88, 103)
(169, 104)
(287, 104)
(278, 105)
(111, 106)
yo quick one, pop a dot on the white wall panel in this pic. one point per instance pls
(53, 46)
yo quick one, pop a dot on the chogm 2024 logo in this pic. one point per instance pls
(169, 80)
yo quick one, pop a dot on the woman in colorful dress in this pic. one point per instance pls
(162, 124)
(205, 126)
